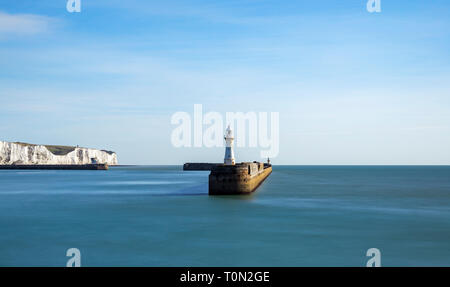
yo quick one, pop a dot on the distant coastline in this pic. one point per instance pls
(19, 153)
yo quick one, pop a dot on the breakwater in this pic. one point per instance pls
(241, 178)
(199, 166)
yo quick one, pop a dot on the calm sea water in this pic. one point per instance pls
(162, 216)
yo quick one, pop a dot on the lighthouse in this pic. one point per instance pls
(229, 153)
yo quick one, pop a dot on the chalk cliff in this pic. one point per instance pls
(22, 153)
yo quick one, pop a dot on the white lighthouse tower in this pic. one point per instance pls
(229, 153)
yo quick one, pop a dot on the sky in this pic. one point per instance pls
(351, 87)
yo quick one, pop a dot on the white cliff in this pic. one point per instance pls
(18, 153)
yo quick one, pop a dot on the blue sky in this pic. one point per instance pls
(351, 87)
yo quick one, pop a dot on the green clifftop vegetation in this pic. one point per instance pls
(54, 149)
(58, 149)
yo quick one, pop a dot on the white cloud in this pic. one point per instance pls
(23, 24)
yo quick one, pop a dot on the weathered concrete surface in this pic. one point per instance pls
(241, 178)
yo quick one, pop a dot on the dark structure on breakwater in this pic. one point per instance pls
(96, 166)
(199, 166)
(229, 178)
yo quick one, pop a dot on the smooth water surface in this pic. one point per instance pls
(162, 216)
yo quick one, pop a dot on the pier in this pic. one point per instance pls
(199, 166)
(230, 178)
(241, 178)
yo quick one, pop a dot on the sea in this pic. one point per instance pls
(163, 216)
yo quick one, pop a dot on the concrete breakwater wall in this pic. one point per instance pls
(241, 178)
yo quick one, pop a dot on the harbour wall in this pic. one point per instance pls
(242, 178)
(199, 166)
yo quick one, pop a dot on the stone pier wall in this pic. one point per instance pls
(241, 178)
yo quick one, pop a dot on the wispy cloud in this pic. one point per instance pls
(24, 24)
